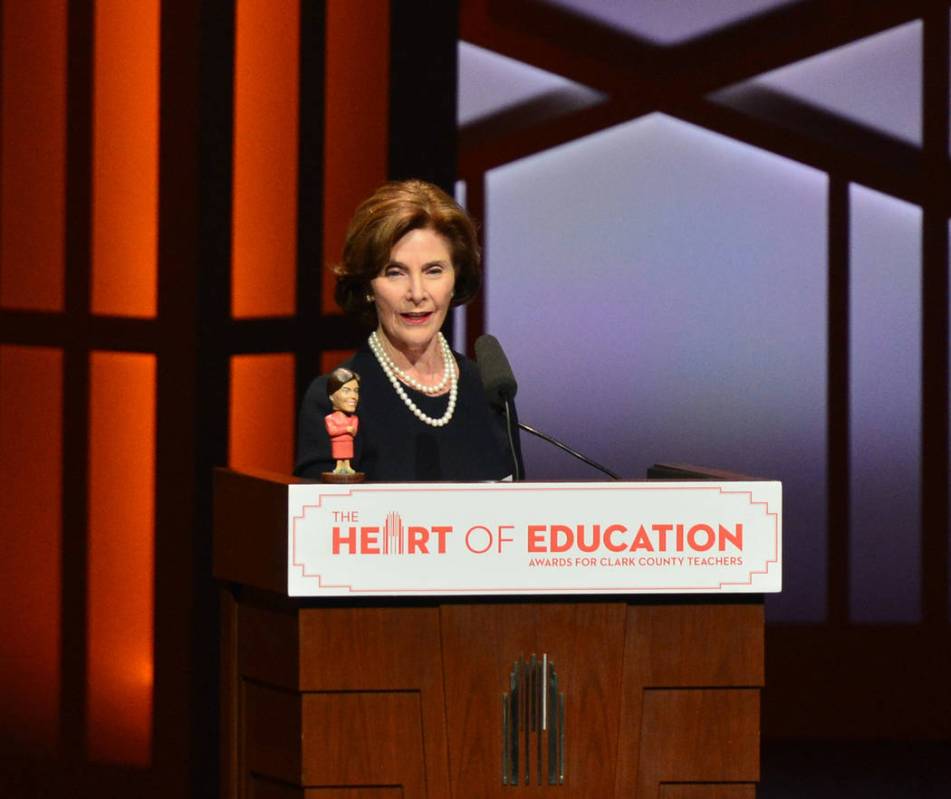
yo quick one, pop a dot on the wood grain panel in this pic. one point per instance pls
(271, 724)
(245, 504)
(708, 791)
(381, 649)
(265, 789)
(293, 740)
(683, 645)
(389, 792)
(584, 641)
(392, 698)
(396, 648)
(364, 739)
(268, 645)
(700, 735)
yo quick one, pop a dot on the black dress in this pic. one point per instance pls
(392, 445)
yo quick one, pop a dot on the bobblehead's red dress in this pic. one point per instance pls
(341, 442)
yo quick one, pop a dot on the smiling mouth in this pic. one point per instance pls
(416, 317)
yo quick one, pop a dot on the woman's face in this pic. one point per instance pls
(346, 397)
(414, 290)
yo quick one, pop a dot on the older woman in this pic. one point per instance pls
(410, 255)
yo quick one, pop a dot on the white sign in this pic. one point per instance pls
(534, 538)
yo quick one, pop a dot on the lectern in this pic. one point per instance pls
(621, 677)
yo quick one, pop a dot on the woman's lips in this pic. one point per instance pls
(416, 317)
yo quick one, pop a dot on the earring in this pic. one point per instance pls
(369, 298)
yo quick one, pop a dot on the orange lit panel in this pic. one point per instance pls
(261, 430)
(264, 191)
(357, 119)
(33, 154)
(31, 399)
(331, 359)
(125, 158)
(121, 560)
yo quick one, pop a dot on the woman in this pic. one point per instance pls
(410, 254)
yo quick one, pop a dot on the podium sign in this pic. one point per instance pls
(534, 538)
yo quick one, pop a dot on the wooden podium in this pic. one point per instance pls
(406, 697)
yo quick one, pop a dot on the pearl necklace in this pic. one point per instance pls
(391, 371)
(384, 357)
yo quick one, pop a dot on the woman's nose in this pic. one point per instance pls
(416, 291)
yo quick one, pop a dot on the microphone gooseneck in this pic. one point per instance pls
(569, 450)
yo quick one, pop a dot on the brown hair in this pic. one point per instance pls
(391, 212)
(338, 378)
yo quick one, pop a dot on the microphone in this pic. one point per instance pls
(500, 387)
(497, 377)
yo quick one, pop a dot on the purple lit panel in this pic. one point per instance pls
(661, 293)
(875, 81)
(490, 83)
(667, 22)
(885, 409)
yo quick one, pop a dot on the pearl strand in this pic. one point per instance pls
(443, 420)
(384, 357)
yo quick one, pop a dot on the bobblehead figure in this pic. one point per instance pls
(343, 391)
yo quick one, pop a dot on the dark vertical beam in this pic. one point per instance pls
(183, 716)
(310, 192)
(934, 410)
(423, 87)
(838, 403)
(423, 78)
(475, 311)
(210, 403)
(229, 685)
(75, 470)
(216, 109)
